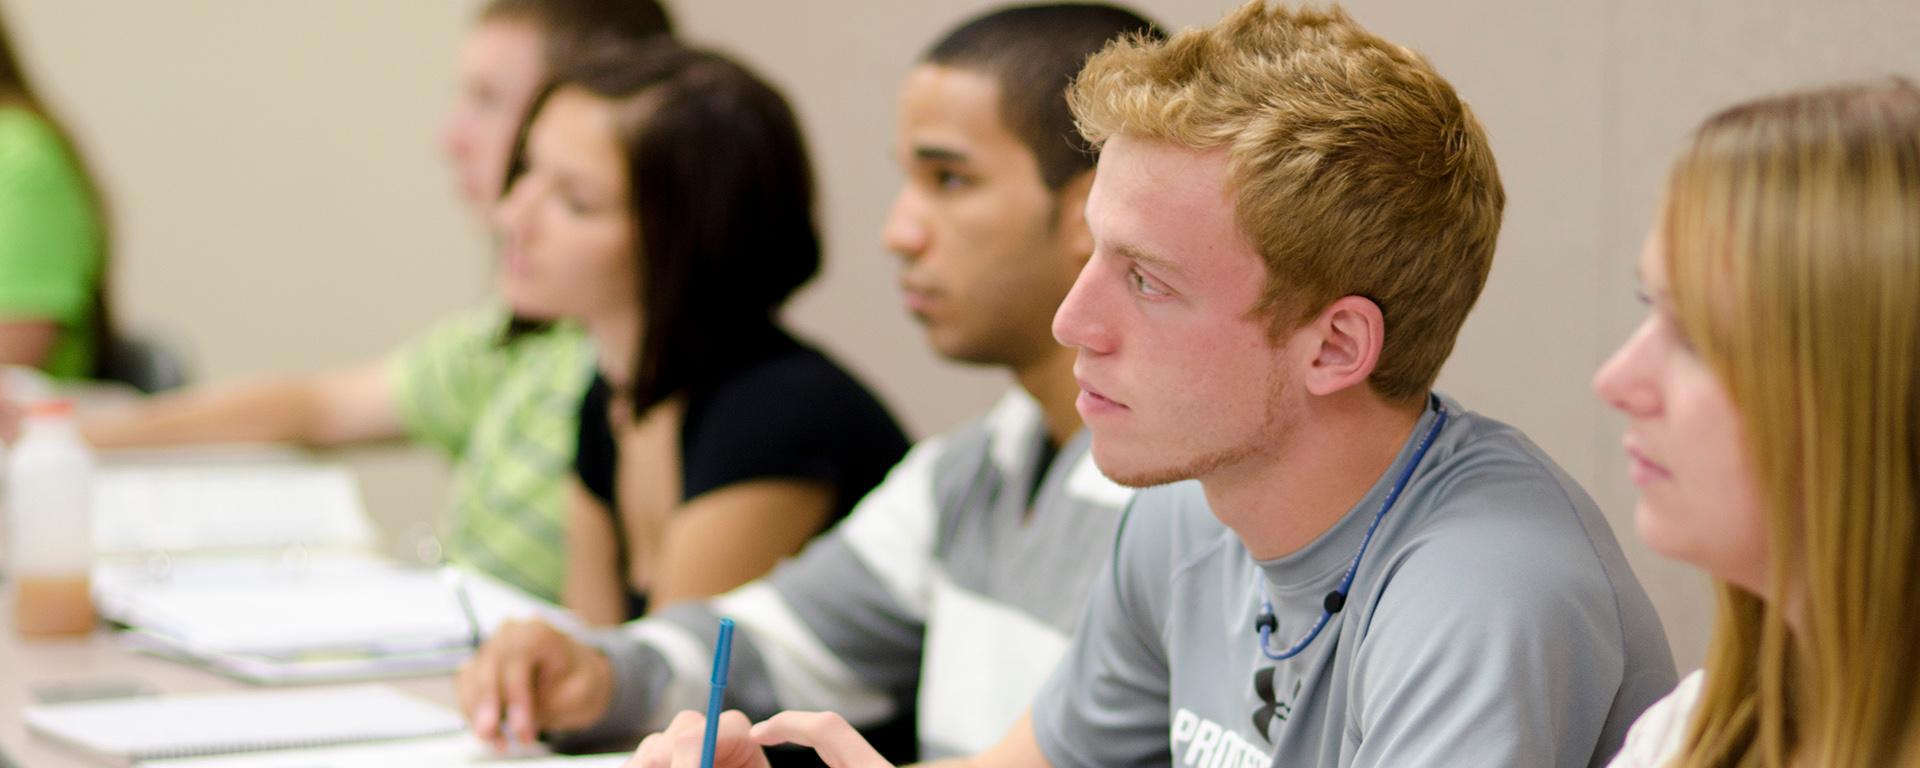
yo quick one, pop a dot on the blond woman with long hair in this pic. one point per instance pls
(1773, 395)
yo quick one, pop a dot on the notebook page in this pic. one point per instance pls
(204, 724)
(461, 751)
(144, 508)
(262, 670)
(399, 613)
(256, 605)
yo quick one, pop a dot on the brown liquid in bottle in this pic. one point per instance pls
(52, 606)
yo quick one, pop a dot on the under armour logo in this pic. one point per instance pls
(1273, 709)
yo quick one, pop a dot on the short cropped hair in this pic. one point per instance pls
(1033, 52)
(570, 28)
(1356, 169)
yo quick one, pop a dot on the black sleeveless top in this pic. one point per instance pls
(785, 412)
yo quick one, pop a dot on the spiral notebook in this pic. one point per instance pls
(156, 727)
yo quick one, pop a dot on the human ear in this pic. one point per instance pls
(1070, 217)
(1350, 332)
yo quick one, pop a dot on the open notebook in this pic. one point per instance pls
(439, 752)
(155, 727)
(328, 616)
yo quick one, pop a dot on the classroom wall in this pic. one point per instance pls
(281, 205)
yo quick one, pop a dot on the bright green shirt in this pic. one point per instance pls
(508, 416)
(51, 246)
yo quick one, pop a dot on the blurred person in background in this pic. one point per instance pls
(502, 406)
(663, 201)
(53, 237)
(1772, 398)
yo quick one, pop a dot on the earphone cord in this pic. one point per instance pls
(1336, 600)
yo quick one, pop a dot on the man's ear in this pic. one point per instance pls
(1070, 219)
(1350, 332)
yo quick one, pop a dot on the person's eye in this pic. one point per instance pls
(572, 201)
(950, 181)
(1144, 285)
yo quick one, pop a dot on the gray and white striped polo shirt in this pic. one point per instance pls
(963, 574)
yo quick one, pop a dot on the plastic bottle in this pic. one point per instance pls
(6, 520)
(49, 492)
(19, 387)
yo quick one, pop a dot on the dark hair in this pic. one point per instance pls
(1033, 52)
(17, 91)
(722, 196)
(572, 27)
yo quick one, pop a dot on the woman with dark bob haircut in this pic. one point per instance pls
(661, 197)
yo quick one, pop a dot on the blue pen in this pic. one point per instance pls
(722, 656)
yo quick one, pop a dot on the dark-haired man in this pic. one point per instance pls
(961, 576)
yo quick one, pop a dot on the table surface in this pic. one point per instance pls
(103, 658)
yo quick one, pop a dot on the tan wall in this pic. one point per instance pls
(281, 205)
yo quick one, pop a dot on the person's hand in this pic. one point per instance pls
(828, 734)
(740, 746)
(538, 678)
(679, 745)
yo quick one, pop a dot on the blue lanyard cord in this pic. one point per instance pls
(1337, 599)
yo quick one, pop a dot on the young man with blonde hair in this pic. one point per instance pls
(1292, 218)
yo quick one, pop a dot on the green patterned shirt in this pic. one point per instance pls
(508, 417)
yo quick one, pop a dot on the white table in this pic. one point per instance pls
(101, 657)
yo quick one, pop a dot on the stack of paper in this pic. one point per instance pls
(210, 724)
(323, 616)
(147, 508)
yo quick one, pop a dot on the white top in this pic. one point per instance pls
(1661, 731)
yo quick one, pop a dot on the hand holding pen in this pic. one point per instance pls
(726, 739)
(740, 744)
(528, 678)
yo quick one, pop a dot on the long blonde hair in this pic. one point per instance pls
(1793, 233)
